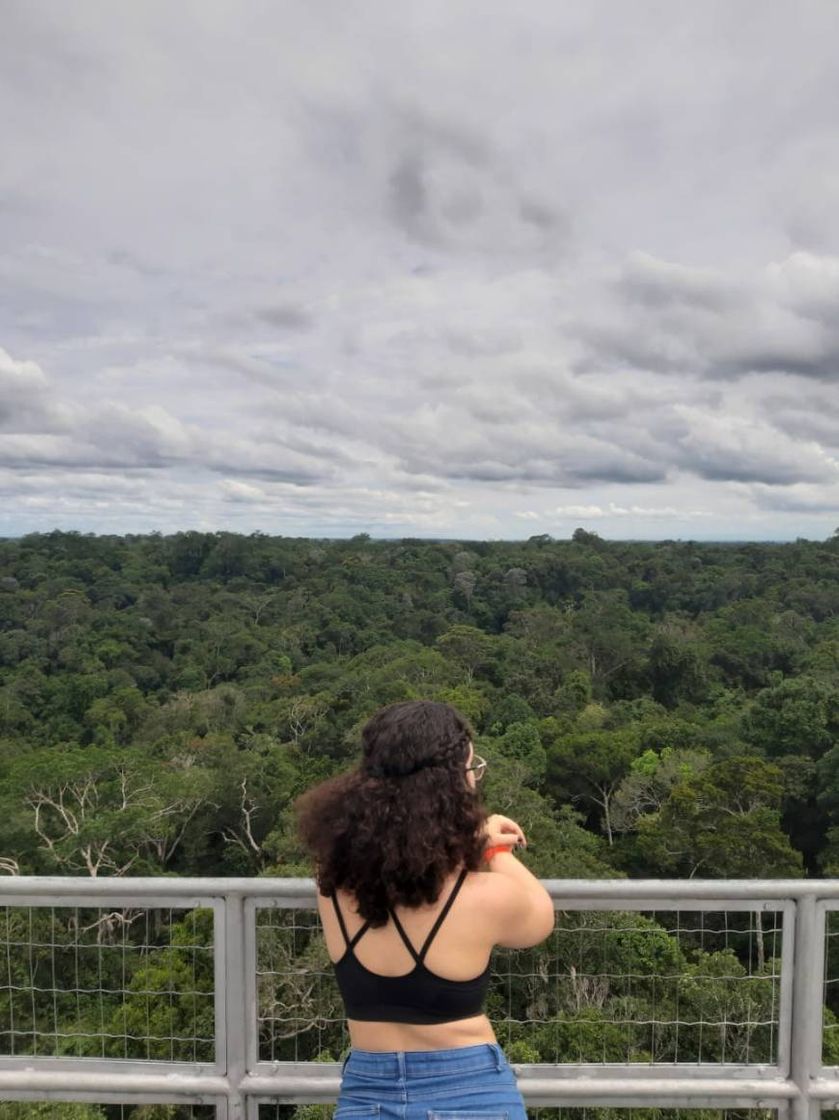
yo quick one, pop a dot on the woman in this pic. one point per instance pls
(410, 922)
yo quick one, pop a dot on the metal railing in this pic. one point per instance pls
(649, 993)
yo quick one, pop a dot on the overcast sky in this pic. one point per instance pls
(450, 268)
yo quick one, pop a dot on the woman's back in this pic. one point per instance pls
(386, 969)
(459, 950)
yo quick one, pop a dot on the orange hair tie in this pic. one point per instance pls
(490, 852)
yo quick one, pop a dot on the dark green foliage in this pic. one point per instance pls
(250, 663)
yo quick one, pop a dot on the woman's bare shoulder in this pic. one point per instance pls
(483, 888)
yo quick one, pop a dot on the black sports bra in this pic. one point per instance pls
(418, 996)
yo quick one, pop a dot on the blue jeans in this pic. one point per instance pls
(465, 1083)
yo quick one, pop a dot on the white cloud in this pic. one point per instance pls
(236, 491)
(19, 378)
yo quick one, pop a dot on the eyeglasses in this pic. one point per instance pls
(479, 766)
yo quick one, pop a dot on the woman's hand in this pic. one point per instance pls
(502, 830)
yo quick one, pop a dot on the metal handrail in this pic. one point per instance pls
(238, 1081)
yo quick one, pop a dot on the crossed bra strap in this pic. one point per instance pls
(418, 957)
(364, 928)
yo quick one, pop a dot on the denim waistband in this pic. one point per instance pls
(405, 1064)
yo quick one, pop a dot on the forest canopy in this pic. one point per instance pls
(647, 709)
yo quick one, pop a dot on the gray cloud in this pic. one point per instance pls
(286, 317)
(450, 190)
(367, 276)
(296, 477)
(803, 412)
(664, 317)
(662, 285)
(798, 499)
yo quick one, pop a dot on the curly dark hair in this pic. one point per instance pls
(391, 830)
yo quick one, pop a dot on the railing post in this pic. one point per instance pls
(236, 1025)
(808, 977)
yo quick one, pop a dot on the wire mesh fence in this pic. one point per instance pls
(830, 1038)
(74, 1110)
(607, 986)
(328, 1112)
(107, 982)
